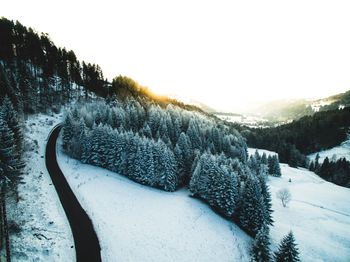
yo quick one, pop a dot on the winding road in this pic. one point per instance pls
(86, 242)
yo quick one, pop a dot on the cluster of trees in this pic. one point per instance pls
(287, 250)
(335, 171)
(271, 162)
(171, 147)
(11, 145)
(235, 190)
(36, 74)
(186, 134)
(301, 137)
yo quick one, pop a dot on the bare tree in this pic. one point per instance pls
(285, 196)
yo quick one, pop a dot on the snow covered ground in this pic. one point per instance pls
(335, 153)
(139, 223)
(318, 214)
(44, 230)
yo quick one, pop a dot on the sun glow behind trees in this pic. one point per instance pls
(223, 53)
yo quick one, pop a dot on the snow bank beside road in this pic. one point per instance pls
(45, 233)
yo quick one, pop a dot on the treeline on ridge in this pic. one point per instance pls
(299, 138)
(335, 171)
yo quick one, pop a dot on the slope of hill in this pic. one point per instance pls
(318, 214)
(43, 232)
(135, 222)
(285, 110)
(139, 223)
(335, 102)
(301, 137)
(335, 153)
(282, 111)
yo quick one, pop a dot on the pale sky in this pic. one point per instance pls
(223, 53)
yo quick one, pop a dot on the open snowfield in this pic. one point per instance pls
(318, 214)
(138, 223)
(44, 230)
(335, 153)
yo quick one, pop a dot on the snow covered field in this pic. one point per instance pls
(318, 214)
(44, 230)
(138, 223)
(335, 153)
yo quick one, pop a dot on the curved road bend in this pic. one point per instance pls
(86, 243)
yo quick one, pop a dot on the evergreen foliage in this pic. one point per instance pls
(10, 159)
(287, 250)
(336, 171)
(274, 166)
(171, 147)
(301, 137)
(260, 251)
(252, 213)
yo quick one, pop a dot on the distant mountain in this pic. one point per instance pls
(285, 110)
(335, 102)
(288, 110)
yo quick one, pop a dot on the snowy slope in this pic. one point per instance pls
(139, 223)
(45, 233)
(335, 153)
(318, 214)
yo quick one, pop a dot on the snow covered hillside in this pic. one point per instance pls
(139, 223)
(334, 153)
(44, 230)
(318, 214)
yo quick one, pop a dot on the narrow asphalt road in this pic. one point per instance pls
(86, 243)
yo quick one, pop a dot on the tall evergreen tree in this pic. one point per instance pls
(287, 250)
(252, 213)
(10, 116)
(9, 158)
(67, 131)
(260, 251)
(265, 192)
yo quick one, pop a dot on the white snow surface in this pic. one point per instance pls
(335, 153)
(44, 234)
(318, 214)
(139, 223)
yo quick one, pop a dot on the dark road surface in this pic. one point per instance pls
(86, 243)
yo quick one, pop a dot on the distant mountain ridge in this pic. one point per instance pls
(288, 110)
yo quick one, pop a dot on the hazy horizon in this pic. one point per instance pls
(226, 55)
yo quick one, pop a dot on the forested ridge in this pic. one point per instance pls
(310, 134)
